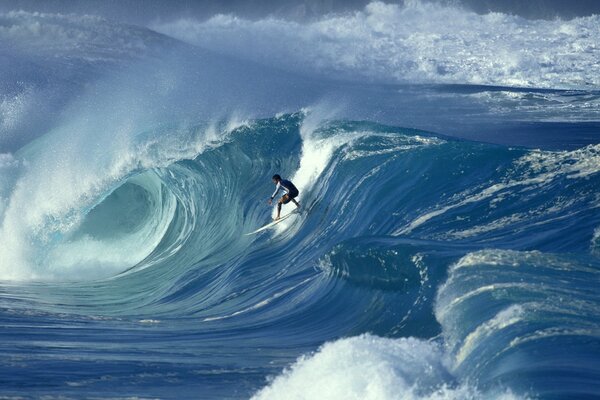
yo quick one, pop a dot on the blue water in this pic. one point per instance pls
(446, 246)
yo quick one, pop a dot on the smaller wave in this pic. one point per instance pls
(507, 315)
(549, 106)
(372, 368)
(387, 265)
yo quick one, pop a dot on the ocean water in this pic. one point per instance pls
(446, 248)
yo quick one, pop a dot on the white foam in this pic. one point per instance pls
(512, 258)
(596, 241)
(149, 321)
(316, 151)
(368, 367)
(415, 42)
(574, 164)
(13, 109)
(8, 167)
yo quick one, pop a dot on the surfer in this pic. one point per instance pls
(290, 193)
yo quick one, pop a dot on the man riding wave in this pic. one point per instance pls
(291, 192)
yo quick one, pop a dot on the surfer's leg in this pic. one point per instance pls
(279, 208)
(292, 197)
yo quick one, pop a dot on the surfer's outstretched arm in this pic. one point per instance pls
(277, 188)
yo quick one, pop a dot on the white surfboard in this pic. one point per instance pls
(271, 224)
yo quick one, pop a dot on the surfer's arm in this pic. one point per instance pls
(277, 188)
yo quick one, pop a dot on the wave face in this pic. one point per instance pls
(368, 252)
(420, 265)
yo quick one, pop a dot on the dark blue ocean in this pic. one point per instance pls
(447, 245)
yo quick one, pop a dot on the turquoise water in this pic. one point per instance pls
(456, 264)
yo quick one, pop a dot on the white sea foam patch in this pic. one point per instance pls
(596, 242)
(574, 164)
(8, 170)
(317, 150)
(368, 367)
(414, 42)
(13, 109)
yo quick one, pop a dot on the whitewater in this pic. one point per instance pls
(447, 246)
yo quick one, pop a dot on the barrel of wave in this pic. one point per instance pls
(90, 241)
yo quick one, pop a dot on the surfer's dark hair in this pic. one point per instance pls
(276, 177)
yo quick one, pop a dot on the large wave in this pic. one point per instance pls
(385, 210)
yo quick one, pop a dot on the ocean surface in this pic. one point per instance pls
(447, 245)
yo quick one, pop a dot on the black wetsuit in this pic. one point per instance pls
(289, 189)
